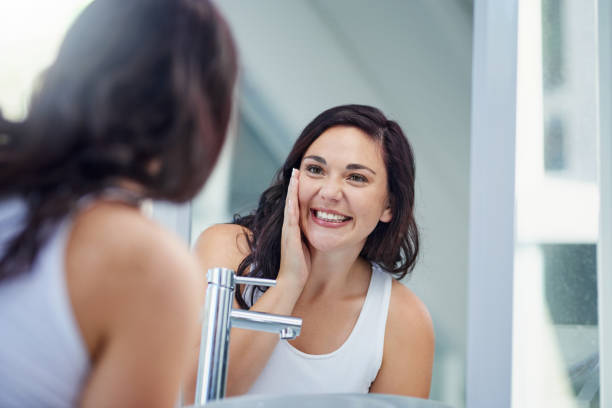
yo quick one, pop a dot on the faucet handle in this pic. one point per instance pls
(228, 278)
(246, 280)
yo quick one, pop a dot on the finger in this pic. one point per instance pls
(295, 202)
(292, 198)
(289, 200)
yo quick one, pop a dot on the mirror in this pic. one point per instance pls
(411, 59)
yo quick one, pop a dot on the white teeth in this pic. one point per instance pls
(330, 217)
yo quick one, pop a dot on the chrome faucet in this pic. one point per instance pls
(219, 319)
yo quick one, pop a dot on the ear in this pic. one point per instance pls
(387, 215)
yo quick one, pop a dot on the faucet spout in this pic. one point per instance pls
(287, 326)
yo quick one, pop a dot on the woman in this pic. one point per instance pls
(98, 304)
(332, 234)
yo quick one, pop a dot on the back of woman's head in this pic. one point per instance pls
(393, 245)
(141, 90)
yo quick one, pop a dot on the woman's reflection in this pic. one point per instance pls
(333, 229)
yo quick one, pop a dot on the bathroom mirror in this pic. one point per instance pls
(412, 59)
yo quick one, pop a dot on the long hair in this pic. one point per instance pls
(140, 90)
(393, 245)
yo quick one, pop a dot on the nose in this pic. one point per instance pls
(331, 190)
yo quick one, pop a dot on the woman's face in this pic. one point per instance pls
(342, 189)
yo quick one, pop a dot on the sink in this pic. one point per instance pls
(324, 401)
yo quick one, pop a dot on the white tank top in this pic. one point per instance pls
(350, 369)
(43, 358)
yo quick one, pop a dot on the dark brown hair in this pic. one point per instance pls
(141, 90)
(393, 245)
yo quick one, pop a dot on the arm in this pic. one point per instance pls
(225, 245)
(409, 347)
(135, 295)
(249, 350)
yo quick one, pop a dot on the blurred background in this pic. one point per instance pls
(413, 60)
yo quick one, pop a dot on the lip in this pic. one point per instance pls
(328, 224)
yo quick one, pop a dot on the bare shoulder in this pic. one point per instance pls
(118, 260)
(222, 245)
(408, 351)
(408, 315)
(116, 234)
(135, 290)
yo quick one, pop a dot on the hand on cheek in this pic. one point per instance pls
(295, 257)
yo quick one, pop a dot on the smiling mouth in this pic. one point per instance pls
(329, 216)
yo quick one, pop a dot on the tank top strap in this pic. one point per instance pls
(40, 331)
(382, 282)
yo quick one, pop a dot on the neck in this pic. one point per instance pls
(130, 185)
(332, 272)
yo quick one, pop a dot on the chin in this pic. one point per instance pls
(323, 243)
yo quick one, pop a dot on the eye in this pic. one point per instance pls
(314, 169)
(358, 178)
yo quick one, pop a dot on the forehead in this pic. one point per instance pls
(348, 144)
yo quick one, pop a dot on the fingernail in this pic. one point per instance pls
(293, 172)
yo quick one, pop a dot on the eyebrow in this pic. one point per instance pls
(351, 166)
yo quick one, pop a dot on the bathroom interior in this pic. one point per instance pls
(507, 106)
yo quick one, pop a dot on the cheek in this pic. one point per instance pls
(371, 206)
(304, 194)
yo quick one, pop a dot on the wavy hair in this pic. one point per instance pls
(393, 245)
(141, 90)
